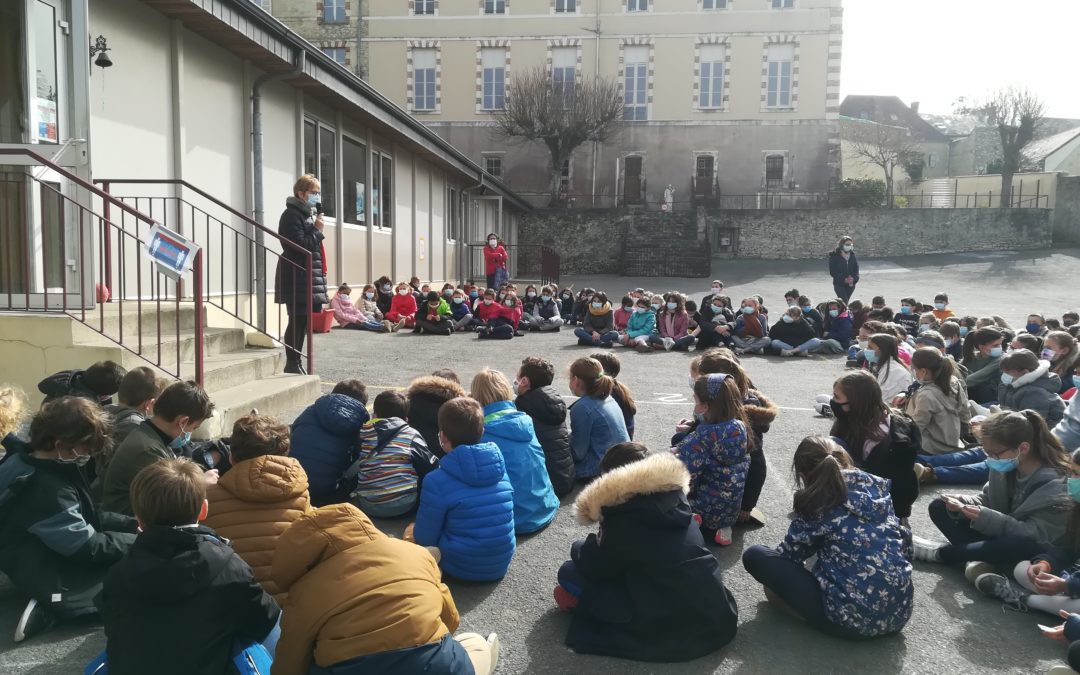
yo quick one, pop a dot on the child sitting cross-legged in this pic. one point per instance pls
(324, 435)
(260, 496)
(349, 315)
(361, 602)
(644, 587)
(467, 504)
(539, 400)
(547, 313)
(433, 316)
(181, 598)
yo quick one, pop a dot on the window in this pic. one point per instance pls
(774, 171)
(311, 147)
(783, 4)
(327, 167)
(494, 6)
(493, 165)
(382, 198)
(565, 6)
(354, 173)
(714, 4)
(711, 82)
(336, 53)
(494, 65)
(780, 62)
(453, 208)
(265, 4)
(931, 160)
(333, 11)
(423, 7)
(423, 79)
(636, 84)
(564, 72)
(637, 5)
(565, 176)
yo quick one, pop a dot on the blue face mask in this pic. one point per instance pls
(939, 305)
(808, 308)
(1002, 465)
(904, 309)
(996, 352)
(717, 309)
(672, 305)
(834, 313)
(180, 441)
(1074, 489)
(747, 310)
(787, 319)
(448, 292)
(474, 294)
(1006, 378)
(1033, 328)
(964, 331)
(314, 198)
(459, 300)
(870, 355)
(923, 327)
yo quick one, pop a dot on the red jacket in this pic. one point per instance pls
(494, 258)
(671, 326)
(405, 305)
(487, 312)
(511, 314)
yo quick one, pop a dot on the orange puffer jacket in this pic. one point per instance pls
(253, 503)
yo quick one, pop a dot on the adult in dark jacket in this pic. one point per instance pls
(645, 587)
(426, 395)
(844, 268)
(299, 226)
(55, 545)
(539, 400)
(323, 440)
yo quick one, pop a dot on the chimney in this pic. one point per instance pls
(915, 107)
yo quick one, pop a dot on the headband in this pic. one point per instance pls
(716, 381)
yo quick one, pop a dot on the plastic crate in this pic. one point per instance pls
(323, 321)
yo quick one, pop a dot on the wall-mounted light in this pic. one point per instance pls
(101, 48)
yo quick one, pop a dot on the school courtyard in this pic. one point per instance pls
(953, 629)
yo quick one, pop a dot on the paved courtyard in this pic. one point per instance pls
(953, 629)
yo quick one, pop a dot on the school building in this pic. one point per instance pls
(199, 115)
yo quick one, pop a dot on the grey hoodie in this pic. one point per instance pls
(1034, 507)
(1038, 391)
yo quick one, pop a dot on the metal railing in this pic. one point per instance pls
(527, 262)
(236, 259)
(48, 266)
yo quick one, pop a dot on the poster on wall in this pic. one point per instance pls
(45, 120)
(173, 254)
(360, 202)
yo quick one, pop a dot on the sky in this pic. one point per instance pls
(934, 51)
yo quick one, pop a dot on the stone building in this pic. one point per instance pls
(334, 26)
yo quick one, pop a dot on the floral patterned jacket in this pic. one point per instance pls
(861, 567)
(717, 457)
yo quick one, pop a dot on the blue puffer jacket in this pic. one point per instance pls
(323, 439)
(861, 567)
(535, 502)
(467, 510)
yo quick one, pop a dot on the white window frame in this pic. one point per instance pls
(333, 51)
(426, 4)
(264, 4)
(563, 73)
(338, 7)
(493, 100)
(707, 75)
(636, 84)
(493, 156)
(636, 6)
(783, 4)
(495, 6)
(423, 77)
(779, 71)
(715, 5)
(564, 3)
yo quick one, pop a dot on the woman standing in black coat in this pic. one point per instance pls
(844, 268)
(300, 224)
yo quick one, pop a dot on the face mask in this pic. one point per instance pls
(403, 292)
(904, 309)
(996, 352)
(509, 303)
(1074, 489)
(78, 460)
(717, 309)
(514, 384)
(699, 418)
(870, 355)
(923, 327)
(545, 298)
(1033, 328)
(964, 331)
(837, 408)
(656, 307)
(791, 303)
(488, 301)
(530, 294)
(458, 301)
(474, 294)
(314, 198)
(1006, 378)
(747, 310)
(387, 288)
(448, 292)
(834, 313)
(641, 310)
(672, 306)
(808, 309)
(939, 305)
(1048, 354)
(369, 296)
(863, 344)
(847, 248)
(717, 289)
(180, 441)
(949, 342)
(787, 319)
(597, 305)
(1002, 465)
(493, 243)
(628, 308)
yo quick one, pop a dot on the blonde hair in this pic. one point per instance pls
(306, 183)
(12, 409)
(490, 386)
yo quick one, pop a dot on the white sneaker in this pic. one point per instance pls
(493, 644)
(787, 352)
(926, 550)
(803, 353)
(976, 568)
(35, 619)
(668, 344)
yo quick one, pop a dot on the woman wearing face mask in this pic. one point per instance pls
(844, 268)
(384, 293)
(880, 439)
(672, 326)
(1028, 384)
(528, 305)
(1063, 353)
(751, 331)
(982, 356)
(892, 375)
(839, 327)
(55, 544)
(597, 327)
(495, 260)
(302, 228)
(1021, 510)
(715, 289)
(1036, 325)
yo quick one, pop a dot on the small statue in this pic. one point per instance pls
(669, 198)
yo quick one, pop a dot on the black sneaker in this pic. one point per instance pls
(35, 619)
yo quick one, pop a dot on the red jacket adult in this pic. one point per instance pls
(403, 305)
(511, 314)
(494, 258)
(486, 312)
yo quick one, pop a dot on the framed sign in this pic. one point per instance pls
(173, 254)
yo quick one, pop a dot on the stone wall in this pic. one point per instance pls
(592, 241)
(1067, 211)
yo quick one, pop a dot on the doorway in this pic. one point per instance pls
(704, 176)
(633, 182)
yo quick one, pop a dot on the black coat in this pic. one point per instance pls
(548, 413)
(176, 603)
(426, 396)
(290, 287)
(69, 383)
(894, 458)
(45, 508)
(841, 269)
(795, 333)
(652, 591)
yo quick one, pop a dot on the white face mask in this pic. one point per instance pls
(403, 292)
(493, 243)
(716, 289)
(387, 288)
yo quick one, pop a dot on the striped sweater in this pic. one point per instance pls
(387, 474)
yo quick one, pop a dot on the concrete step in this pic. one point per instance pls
(273, 395)
(224, 371)
(216, 341)
(135, 317)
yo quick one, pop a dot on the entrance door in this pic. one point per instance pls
(632, 169)
(703, 176)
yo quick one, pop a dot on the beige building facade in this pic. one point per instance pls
(721, 96)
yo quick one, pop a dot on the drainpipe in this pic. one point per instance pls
(463, 245)
(257, 179)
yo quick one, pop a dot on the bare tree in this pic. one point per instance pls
(1017, 114)
(560, 116)
(884, 146)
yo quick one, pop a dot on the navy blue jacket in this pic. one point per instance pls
(323, 438)
(841, 269)
(840, 329)
(467, 510)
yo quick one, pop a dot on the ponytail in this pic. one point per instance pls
(942, 368)
(597, 384)
(1011, 429)
(818, 465)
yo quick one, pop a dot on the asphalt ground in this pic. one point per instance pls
(953, 629)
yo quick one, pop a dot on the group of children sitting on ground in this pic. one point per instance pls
(280, 517)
